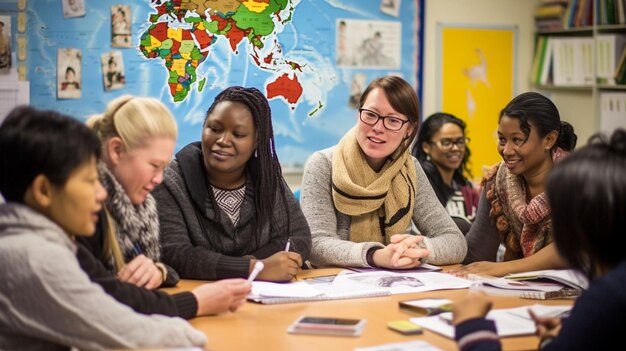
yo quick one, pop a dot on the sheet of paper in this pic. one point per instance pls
(401, 346)
(297, 289)
(509, 322)
(399, 283)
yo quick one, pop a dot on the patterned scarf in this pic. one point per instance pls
(137, 225)
(381, 204)
(524, 228)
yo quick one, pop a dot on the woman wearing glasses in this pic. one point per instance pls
(513, 208)
(441, 148)
(360, 196)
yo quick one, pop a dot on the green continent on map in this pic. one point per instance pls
(184, 47)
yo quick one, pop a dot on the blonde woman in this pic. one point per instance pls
(138, 135)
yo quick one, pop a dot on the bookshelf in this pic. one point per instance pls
(594, 102)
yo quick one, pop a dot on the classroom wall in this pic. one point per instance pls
(576, 108)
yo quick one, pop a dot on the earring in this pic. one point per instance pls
(255, 154)
(427, 157)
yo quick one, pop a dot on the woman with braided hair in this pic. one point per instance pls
(513, 208)
(224, 204)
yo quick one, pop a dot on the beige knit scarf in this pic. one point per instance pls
(380, 204)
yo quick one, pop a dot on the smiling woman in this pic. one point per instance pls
(361, 196)
(224, 204)
(513, 208)
(138, 136)
(442, 150)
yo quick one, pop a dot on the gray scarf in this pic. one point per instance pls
(137, 225)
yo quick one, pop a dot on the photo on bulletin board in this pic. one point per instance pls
(69, 73)
(368, 44)
(73, 8)
(476, 79)
(6, 60)
(120, 26)
(113, 74)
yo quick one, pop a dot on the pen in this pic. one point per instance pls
(446, 317)
(287, 246)
(258, 267)
(136, 249)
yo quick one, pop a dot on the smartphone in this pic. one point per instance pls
(405, 327)
(327, 326)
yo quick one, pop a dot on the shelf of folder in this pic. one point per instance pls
(577, 31)
(564, 87)
(611, 87)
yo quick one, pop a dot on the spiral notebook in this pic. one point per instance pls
(271, 300)
(539, 289)
(319, 290)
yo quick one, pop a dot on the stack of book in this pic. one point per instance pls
(540, 285)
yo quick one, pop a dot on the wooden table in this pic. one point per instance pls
(263, 327)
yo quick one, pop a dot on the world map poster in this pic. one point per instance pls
(311, 58)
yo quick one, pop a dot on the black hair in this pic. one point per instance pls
(70, 69)
(429, 127)
(587, 196)
(264, 165)
(541, 111)
(34, 142)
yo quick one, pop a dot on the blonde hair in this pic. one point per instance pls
(134, 120)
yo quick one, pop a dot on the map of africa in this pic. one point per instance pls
(184, 52)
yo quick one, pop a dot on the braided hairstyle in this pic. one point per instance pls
(263, 165)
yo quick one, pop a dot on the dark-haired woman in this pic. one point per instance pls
(442, 150)
(223, 204)
(589, 229)
(513, 208)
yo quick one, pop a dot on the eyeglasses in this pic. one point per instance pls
(371, 118)
(446, 144)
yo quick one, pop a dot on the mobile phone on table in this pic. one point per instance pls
(327, 326)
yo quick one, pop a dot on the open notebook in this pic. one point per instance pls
(275, 293)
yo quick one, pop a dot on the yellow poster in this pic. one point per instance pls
(477, 81)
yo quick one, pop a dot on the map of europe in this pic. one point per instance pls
(184, 52)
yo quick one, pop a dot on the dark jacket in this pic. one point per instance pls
(141, 300)
(199, 240)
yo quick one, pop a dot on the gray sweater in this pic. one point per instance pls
(199, 240)
(47, 302)
(330, 228)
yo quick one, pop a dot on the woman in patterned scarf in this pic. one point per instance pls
(361, 195)
(138, 136)
(513, 209)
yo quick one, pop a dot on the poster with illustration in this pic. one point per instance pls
(113, 74)
(69, 72)
(73, 8)
(120, 26)
(6, 61)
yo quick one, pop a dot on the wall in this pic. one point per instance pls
(574, 107)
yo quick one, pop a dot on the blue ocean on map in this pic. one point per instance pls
(321, 115)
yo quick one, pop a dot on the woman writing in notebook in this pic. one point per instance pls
(361, 195)
(442, 150)
(513, 208)
(138, 135)
(224, 204)
(589, 227)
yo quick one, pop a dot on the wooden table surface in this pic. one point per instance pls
(264, 327)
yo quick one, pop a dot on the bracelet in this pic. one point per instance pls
(163, 270)
(369, 256)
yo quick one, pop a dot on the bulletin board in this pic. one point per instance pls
(310, 58)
